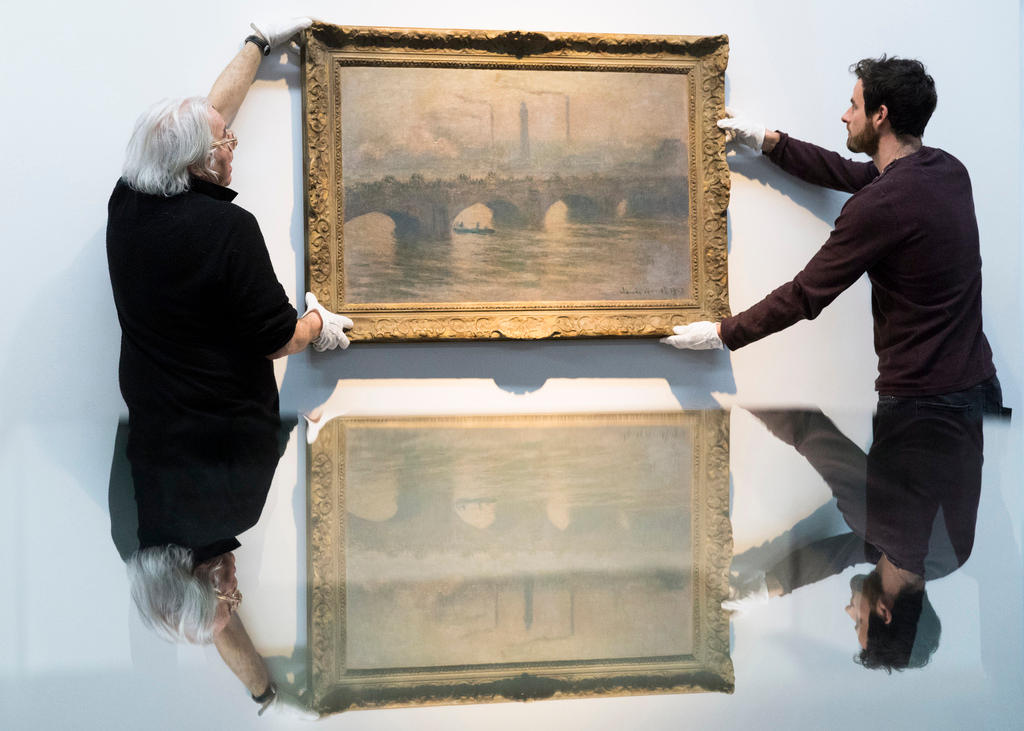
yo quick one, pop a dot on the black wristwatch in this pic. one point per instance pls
(259, 42)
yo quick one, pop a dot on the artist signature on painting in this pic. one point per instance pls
(661, 292)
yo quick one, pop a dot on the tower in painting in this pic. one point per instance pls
(524, 133)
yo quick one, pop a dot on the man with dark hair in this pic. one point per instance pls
(898, 633)
(911, 506)
(904, 87)
(910, 225)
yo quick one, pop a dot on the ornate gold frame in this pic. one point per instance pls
(702, 58)
(709, 668)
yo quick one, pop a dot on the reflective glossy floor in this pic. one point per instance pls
(76, 654)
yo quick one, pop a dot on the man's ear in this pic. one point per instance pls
(880, 115)
(883, 611)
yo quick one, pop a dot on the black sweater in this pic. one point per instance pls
(200, 309)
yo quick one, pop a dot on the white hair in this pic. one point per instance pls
(170, 137)
(172, 600)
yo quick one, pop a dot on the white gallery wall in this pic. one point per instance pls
(75, 76)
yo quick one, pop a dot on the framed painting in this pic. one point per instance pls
(480, 559)
(476, 184)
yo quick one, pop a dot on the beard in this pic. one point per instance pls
(866, 141)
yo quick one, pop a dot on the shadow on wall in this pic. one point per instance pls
(518, 367)
(825, 204)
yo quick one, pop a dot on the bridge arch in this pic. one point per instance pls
(506, 213)
(406, 225)
(477, 215)
(658, 201)
(581, 208)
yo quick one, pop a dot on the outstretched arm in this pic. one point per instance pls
(865, 231)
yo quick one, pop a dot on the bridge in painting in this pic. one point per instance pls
(427, 208)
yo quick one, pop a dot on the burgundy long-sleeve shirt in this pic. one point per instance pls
(912, 228)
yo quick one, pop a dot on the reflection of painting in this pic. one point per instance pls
(477, 187)
(518, 557)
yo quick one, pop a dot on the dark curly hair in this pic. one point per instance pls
(909, 640)
(903, 86)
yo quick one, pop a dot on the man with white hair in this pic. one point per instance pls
(202, 316)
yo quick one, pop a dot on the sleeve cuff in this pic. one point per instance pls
(727, 334)
(779, 148)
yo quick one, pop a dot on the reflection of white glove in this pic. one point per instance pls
(742, 130)
(333, 333)
(752, 592)
(282, 31)
(315, 421)
(696, 336)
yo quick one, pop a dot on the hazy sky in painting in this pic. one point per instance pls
(446, 114)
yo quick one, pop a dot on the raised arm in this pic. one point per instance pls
(819, 166)
(808, 162)
(229, 90)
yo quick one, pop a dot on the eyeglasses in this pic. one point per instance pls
(233, 599)
(229, 139)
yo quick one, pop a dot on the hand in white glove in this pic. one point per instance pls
(696, 336)
(280, 32)
(742, 130)
(316, 420)
(332, 335)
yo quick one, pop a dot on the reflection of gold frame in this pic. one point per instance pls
(709, 668)
(702, 59)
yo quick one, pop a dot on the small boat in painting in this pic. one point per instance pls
(460, 229)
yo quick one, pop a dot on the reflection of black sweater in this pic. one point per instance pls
(200, 309)
(914, 497)
(913, 230)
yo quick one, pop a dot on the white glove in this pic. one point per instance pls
(280, 32)
(742, 130)
(333, 333)
(695, 336)
(315, 421)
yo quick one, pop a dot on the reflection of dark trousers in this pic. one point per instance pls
(914, 496)
(843, 466)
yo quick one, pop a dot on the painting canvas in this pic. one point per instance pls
(469, 559)
(458, 189)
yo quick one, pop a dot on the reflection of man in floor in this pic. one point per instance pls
(911, 504)
(203, 315)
